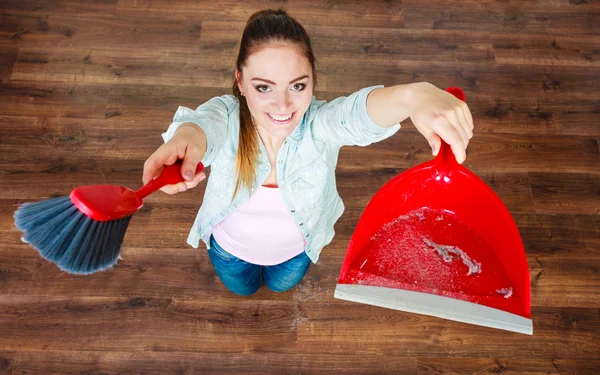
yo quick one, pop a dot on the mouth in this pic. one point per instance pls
(281, 119)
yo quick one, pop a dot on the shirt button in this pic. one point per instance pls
(293, 211)
(301, 224)
(280, 161)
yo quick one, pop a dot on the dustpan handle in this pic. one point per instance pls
(446, 155)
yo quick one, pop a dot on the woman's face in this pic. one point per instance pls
(277, 82)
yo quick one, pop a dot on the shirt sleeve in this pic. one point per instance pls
(212, 117)
(345, 121)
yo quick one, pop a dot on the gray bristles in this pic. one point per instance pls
(70, 239)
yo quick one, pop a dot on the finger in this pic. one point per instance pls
(190, 161)
(451, 136)
(452, 118)
(196, 180)
(464, 121)
(434, 142)
(175, 188)
(468, 115)
(164, 155)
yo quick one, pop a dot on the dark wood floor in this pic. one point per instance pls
(87, 88)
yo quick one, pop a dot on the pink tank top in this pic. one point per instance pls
(261, 231)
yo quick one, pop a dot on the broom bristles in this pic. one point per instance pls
(65, 236)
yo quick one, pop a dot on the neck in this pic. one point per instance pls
(271, 142)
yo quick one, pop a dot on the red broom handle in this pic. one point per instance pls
(170, 175)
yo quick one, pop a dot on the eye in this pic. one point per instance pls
(299, 87)
(262, 88)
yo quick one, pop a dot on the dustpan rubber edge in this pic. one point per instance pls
(434, 305)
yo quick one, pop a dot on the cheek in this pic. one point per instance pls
(256, 101)
(304, 101)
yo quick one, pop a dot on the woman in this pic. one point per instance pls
(271, 201)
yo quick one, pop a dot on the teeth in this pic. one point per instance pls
(280, 118)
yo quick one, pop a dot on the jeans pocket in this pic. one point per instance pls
(222, 254)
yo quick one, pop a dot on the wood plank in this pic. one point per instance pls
(130, 66)
(220, 38)
(160, 363)
(53, 100)
(34, 7)
(566, 192)
(76, 138)
(433, 365)
(91, 29)
(507, 80)
(8, 56)
(7, 360)
(534, 115)
(487, 153)
(159, 102)
(146, 324)
(17, 266)
(559, 236)
(552, 17)
(350, 327)
(543, 49)
(100, 101)
(355, 12)
(565, 282)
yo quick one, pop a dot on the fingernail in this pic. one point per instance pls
(188, 175)
(182, 189)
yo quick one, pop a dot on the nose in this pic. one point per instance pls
(283, 103)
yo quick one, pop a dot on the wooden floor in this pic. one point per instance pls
(87, 87)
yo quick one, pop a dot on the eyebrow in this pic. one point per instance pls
(273, 83)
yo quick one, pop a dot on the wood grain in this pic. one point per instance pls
(87, 88)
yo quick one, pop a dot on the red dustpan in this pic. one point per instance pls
(437, 240)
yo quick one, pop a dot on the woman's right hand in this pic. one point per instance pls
(188, 144)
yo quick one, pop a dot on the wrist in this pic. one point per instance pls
(189, 129)
(405, 96)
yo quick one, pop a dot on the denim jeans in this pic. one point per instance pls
(245, 278)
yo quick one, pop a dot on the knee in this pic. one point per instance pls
(244, 292)
(279, 287)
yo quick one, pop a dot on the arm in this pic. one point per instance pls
(435, 113)
(193, 136)
(212, 118)
(344, 121)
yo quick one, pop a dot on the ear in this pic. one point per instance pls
(238, 79)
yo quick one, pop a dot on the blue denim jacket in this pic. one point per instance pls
(305, 163)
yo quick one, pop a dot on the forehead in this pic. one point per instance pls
(277, 62)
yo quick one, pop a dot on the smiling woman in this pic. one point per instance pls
(271, 201)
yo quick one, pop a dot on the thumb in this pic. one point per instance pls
(191, 159)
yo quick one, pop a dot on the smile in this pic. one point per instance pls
(281, 119)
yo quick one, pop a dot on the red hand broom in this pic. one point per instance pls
(83, 233)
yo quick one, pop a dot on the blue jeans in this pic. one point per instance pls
(245, 278)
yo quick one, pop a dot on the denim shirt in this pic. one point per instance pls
(305, 163)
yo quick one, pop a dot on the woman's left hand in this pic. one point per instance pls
(439, 114)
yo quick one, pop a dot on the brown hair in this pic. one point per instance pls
(262, 27)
